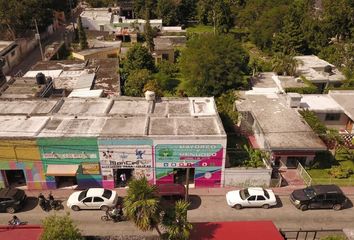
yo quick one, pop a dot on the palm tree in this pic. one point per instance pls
(142, 205)
(285, 64)
(175, 221)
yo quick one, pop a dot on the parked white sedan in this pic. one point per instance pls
(93, 198)
(251, 197)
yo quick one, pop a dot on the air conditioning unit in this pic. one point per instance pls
(294, 100)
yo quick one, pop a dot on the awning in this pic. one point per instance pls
(62, 170)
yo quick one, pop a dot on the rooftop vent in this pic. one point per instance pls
(150, 96)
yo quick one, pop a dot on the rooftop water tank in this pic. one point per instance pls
(40, 78)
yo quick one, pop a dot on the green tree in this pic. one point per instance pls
(212, 64)
(82, 35)
(255, 157)
(101, 3)
(148, 33)
(140, 7)
(225, 105)
(284, 64)
(153, 85)
(139, 57)
(60, 228)
(176, 223)
(167, 10)
(136, 81)
(217, 13)
(142, 205)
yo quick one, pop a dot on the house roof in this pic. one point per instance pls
(282, 126)
(320, 103)
(344, 98)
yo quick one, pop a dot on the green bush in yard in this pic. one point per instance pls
(340, 172)
(334, 237)
(322, 160)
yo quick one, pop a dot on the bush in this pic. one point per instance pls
(60, 228)
(334, 237)
(340, 172)
(323, 159)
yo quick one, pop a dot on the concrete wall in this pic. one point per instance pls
(247, 177)
(104, 54)
(340, 124)
(12, 58)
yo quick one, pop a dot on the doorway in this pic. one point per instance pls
(292, 162)
(65, 181)
(122, 176)
(179, 175)
(15, 178)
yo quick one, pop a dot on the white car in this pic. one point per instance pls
(251, 197)
(93, 198)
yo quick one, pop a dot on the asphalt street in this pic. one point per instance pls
(203, 209)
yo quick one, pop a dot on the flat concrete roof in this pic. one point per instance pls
(264, 80)
(5, 44)
(21, 126)
(131, 107)
(24, 88)
(85, 107)
(321, 103)
(129, 126)
(312, 67)
(291, 82)
(344, 98)
(27, 107)
(73, 127)
(282, 126)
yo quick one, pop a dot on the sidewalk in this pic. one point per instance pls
(281, 191)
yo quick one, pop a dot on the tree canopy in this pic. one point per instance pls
(212, 64)
(60, 228)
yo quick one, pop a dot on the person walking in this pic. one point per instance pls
(123, 179)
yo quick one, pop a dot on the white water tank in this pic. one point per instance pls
(294, 100)
(150, 95)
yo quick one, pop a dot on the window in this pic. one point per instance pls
(4, 199)
(165, 56)
(260, 198)
(319, 197)
(87, 200)
(266, 194)
(97, 199)
(107, 194)
(332, 116)
(252, 198)
(332, 196)
(244, 194)
(82, 195)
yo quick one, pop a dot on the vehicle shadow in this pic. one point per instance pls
(349, 204)
(31, 203)
(194, 202)
(279, 202)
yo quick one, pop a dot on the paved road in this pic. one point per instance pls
(205, 208)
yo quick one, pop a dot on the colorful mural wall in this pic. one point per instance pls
(206, 159)
(134, 154)
(22, 155)
(82, 151)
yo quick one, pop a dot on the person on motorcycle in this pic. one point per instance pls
(43, 202)
(116, 213)
(15, 221)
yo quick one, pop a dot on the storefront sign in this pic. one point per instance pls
(188, 155)
(70, 155)
(90, 168)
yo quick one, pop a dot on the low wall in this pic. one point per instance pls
(247, 177)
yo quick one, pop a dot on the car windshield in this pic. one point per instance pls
(82, 195)
(266, 194)
(244, 194)
(107, 193)
(310, 192)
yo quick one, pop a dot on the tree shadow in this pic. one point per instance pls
(194, 202)
(204, 231)
(30, 203)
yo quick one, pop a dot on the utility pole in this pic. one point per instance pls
(38, 37)
(187, 184)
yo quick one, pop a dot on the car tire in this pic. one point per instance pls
(265, 206)
(75, 208)
(104, 208)
(238, 206)
(303, 207)
(337, 207)
(10, 210)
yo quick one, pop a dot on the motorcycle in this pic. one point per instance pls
(110, 217)
(55, 204)
(16, 222)
(43, 203)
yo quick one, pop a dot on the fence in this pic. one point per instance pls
(316, 234)
(304, 175)
(337, 181)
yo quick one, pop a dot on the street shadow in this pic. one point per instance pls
(194, 202)
(31, 203)
(279, 202)
(203, 231)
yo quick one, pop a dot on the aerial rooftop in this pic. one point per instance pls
(282, 126)
(344, 98)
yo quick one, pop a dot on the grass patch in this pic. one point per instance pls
(200, 29)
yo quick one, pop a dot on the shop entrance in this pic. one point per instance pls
(122, 176)
(179, 175)
(15, 178)
(65, 181)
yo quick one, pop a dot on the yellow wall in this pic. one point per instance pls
(21, 150)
